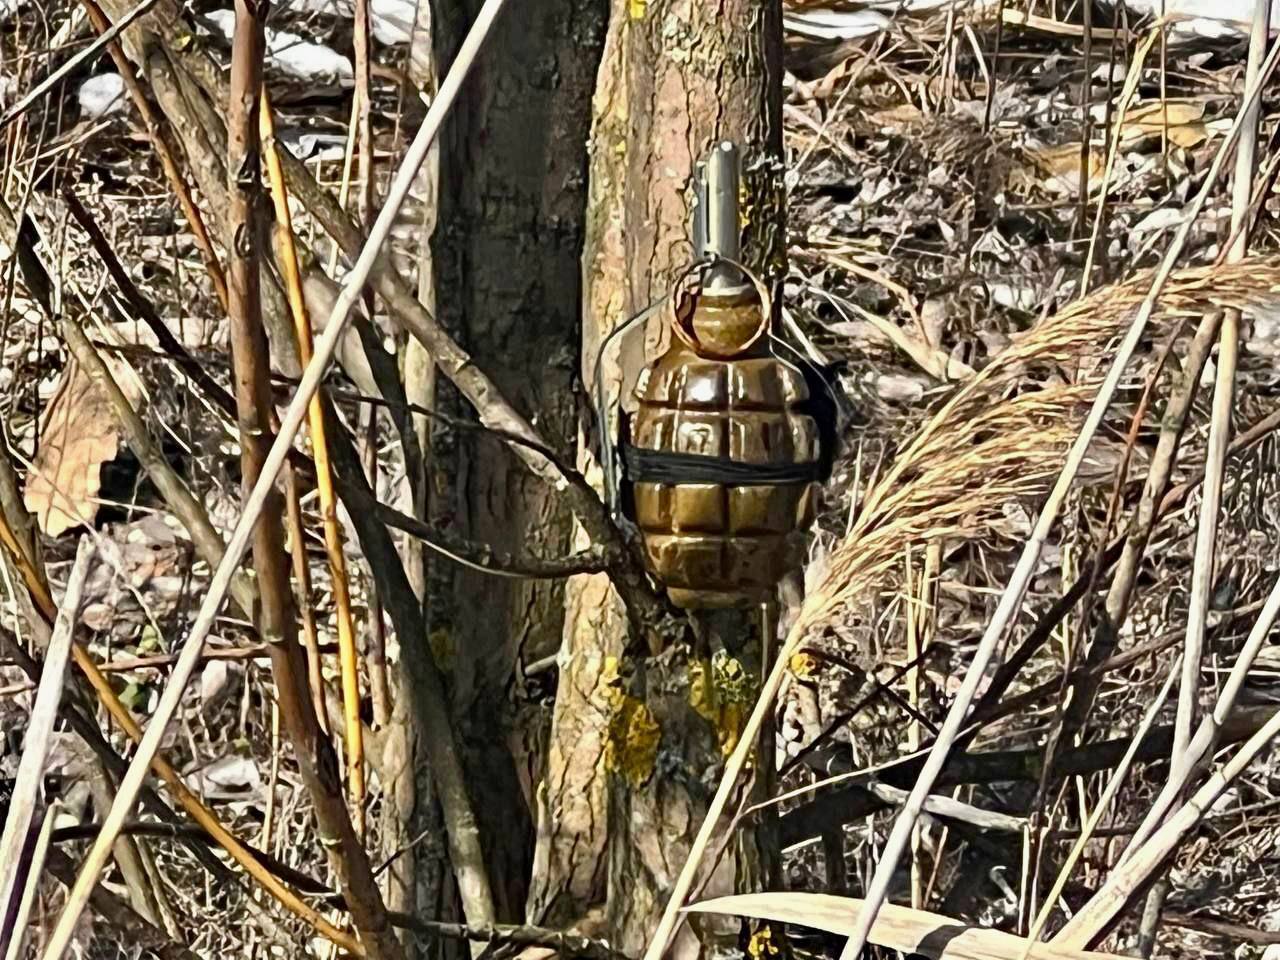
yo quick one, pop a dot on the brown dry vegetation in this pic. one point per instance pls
(940, 232)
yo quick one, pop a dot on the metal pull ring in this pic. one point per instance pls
(681, 319)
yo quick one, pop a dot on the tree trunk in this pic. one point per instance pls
(505, 254)
(645, 741)
(418, 878)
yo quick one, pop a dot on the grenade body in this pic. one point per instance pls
(721, 395)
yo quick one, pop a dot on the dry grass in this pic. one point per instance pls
(999, 438)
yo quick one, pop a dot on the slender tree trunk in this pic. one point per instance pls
(505, 254)
(417, 879)
(645, 741)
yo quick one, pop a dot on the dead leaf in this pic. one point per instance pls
(897, 928)
(1058, 168)
(825, 86)
(1049, 25)
(232, 773)
(78, 434)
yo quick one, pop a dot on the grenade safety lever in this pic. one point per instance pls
(717, 228)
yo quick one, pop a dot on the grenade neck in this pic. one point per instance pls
(726, 324)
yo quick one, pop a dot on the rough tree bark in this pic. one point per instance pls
(637, 747)
(505, 255)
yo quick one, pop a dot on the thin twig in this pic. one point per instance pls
(650, 610)
(1131, 81)
(1128, 878)
(1089, 920)
(306, 610)
(165, 151)
(313, 750)
(473, 884)
(363, 107)
(564, 943)
(31, 890)
(853, 798)
(173, 489)
(130, 928)
(1204, 563)
(1100, 809)
(45, 608)
(480, 557)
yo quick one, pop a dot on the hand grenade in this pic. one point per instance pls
(723, 458)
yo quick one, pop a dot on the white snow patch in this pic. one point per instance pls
(836, 24)
(390, 21)
(291, 53)
(1161, 219)
(306, 145)
(101, 95)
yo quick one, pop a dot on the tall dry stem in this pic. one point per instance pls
(347, 653)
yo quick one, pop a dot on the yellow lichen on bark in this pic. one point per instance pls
(442, 648)
(721, 691)
(632, 736)
(762, 944)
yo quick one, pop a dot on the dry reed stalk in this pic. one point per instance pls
(344, 187)
(913, 727)
(314, 751)
(1100, 809)
(273, 778)
(1134, 872)
(31, 890)
(1131, 80)
(1011, 598)
(15, 868)
(1173, 422)
(302, 582)
(1204, 562)
(903, 930)
(430, 713)
(195, 808)
(951, 480)
(129, 927)
(274, 614)
(463, 838)
(1061, 728)
(1093, 916)
(1203, 566)
(362, 106)
(376, 655)
(348, 656)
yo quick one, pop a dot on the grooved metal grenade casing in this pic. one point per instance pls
(726, 396)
